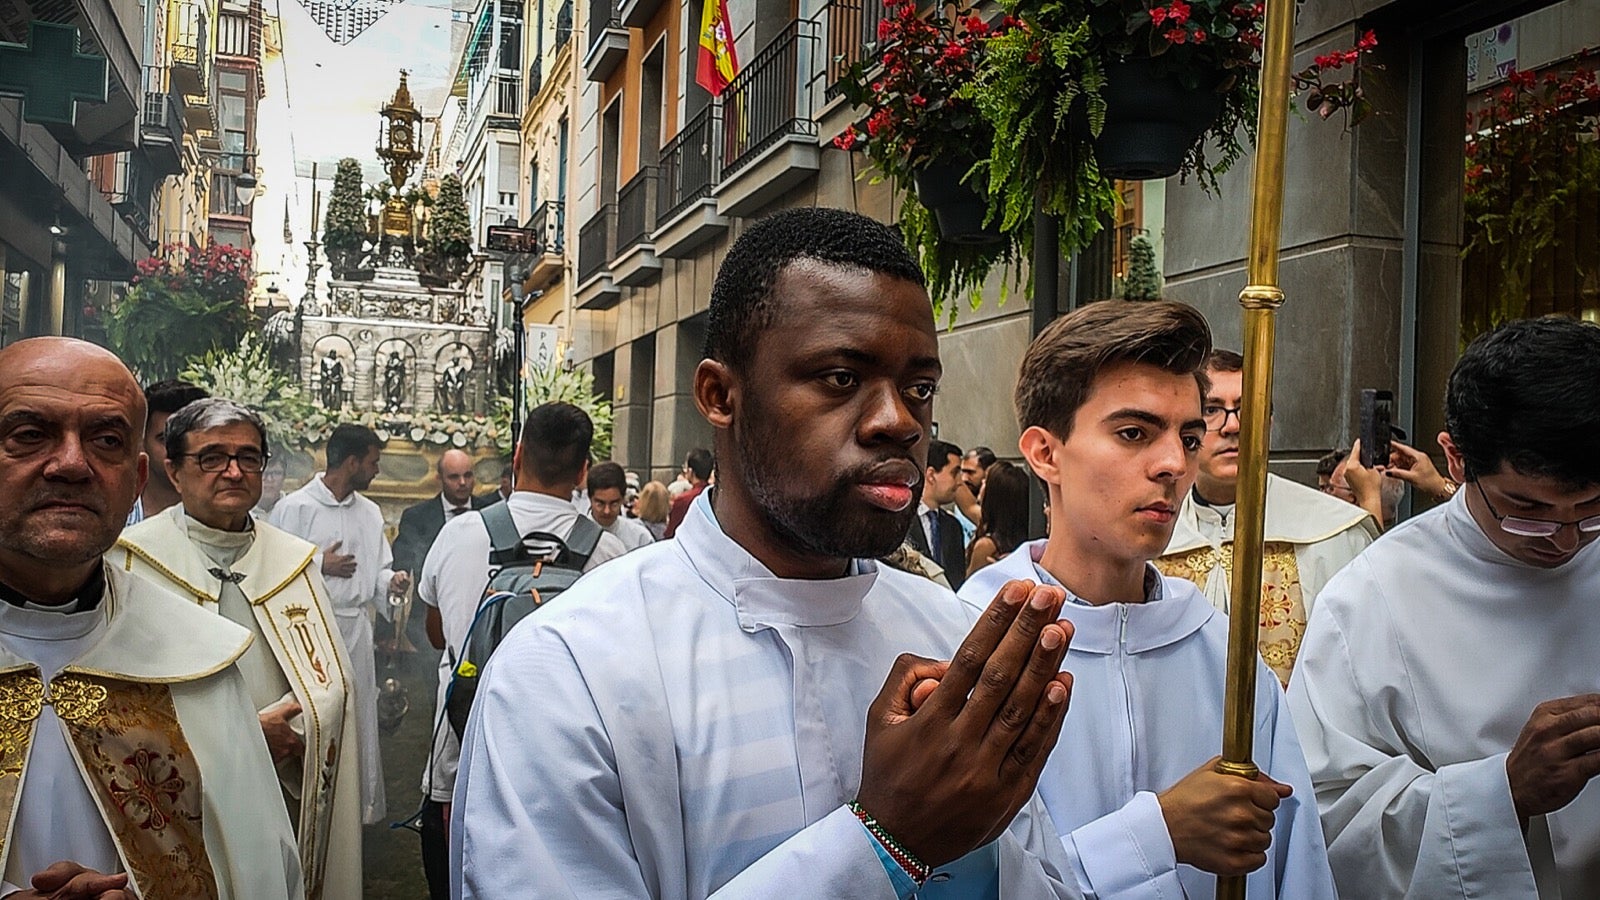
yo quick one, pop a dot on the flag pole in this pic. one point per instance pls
(1260, 299)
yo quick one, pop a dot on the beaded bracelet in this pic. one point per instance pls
(918, 870)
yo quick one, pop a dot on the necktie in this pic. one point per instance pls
(933, 533)
(457, 511)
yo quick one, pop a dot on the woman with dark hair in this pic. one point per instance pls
(1003, 523)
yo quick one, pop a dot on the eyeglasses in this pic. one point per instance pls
(251, 462)
(1535, 527)
(1217, 416)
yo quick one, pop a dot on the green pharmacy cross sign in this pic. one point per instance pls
(50, 75)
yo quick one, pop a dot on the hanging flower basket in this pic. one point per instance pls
(1151, 120)
(957, 207)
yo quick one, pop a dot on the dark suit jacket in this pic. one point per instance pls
(952, 552)
(419, 525)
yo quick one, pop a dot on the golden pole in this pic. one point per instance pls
(1260, 299)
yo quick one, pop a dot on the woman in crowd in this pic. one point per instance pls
(1003, 523)
(652, 508)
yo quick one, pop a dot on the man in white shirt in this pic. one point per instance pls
(552, 456)
(359, 569)
(1447, 692)
(702, 717)
(162, 399)
(608, 484)
(1109, 402)
(134, 762)
(1309, 535)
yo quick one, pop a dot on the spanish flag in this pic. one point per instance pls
(718, 64)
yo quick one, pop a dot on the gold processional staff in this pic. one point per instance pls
(1260, 299)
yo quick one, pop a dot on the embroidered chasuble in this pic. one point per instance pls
(128, 743)
(1308, 537)
(264, 579)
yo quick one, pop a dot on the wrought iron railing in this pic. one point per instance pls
(506, 88)
(636, 209)
(852, 36)
(765, 102)
(190, 34)
(549, 224)
(594, 242)
(132, 186)
(688, 165)
(602, 15)
(563, 24)
(163, 115)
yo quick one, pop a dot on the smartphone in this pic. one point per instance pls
(1377, 412)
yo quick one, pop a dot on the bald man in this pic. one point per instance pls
(420, 524)
(129, 750)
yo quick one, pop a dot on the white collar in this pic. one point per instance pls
(759, 597)
(321, 494)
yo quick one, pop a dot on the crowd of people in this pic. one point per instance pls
(830, 656)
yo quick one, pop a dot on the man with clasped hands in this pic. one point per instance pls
(703, 717)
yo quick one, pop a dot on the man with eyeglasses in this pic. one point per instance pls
(1309, 535)
(211, 550)
(1448, 693)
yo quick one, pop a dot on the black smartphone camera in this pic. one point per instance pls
(1377, 414)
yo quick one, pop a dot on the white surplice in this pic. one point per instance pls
(312, 513)
(1146, 711)
(1422, 663)
(144, 637)
(682, 723)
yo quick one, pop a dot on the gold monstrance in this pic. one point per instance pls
(397, 147)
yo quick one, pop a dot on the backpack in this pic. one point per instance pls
(526, 571)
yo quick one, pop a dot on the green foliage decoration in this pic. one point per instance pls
(345, 223)
(450, 227)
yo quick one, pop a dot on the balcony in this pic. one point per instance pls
(852, 27)
(563, 25)
(200, 111)
(637, 13)
(131, 185)
(634, 261)
(161, 132)
(686, 213)
(608, 41)
(189, 38)
(549, 258)
(769, 139)
(535, 80)
(597, 237)
(505, 97)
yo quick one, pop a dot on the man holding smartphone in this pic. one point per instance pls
(1309, 535)
(1447, 696)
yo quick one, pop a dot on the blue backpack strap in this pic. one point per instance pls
(505, 542)
(581, 541)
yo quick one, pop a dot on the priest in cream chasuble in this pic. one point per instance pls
(210, 549)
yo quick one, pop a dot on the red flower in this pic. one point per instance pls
(976, 26)
(847, 140)
(879, 123)
(885, 29)
(1368, 40)
(954, 52)
(1176, 35)
(1158, 15)
(1328, 61)
(1199, 35)
(918, 101)
(1179, 12)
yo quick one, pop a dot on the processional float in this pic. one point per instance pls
(1260, 299)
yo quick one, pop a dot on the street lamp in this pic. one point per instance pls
(244, 187)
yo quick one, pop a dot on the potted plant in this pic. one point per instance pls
(928, 141)
(444, 252)
(182, 307)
